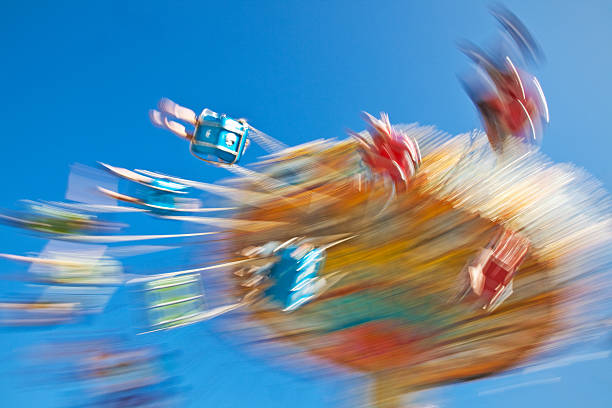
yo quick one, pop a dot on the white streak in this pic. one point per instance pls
(520, 385)
(567, 361)
(126, 238)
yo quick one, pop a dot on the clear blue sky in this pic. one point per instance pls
(78, 78)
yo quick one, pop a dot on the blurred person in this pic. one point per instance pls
(509, 100)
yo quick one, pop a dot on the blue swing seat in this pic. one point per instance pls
(219, 138)
(295, 278)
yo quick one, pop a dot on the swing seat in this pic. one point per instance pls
(219, 139)
(296, 277)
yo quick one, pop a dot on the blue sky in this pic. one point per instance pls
(79, 77)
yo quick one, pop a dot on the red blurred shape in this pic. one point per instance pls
(390, 152)
(493, 270)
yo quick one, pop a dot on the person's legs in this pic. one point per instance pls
(492, 125)
(179, 112)
(161, 120)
